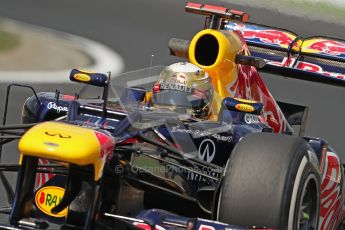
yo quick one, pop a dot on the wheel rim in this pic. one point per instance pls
(308, 208)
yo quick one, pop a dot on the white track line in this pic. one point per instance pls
(104, 58)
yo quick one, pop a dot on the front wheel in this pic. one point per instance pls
(270, 181)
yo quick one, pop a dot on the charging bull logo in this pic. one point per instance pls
(330, 47)
(47, 198)
(269, 36)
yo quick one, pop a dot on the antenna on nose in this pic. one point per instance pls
(151, 61)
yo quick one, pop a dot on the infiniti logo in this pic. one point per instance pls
(207, 150)
(61, 135)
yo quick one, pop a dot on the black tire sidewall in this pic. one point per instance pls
(299, 150)
(304, 151)
(309, 175)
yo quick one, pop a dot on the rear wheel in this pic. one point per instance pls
(271, 181)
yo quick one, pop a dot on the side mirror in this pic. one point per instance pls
(96, 79)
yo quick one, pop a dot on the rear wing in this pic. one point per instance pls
(318, 59)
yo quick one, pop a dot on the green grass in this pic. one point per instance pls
(313, 7)
(7, 40)
(323, 9)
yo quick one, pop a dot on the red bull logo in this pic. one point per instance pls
(331, 47)
(47, 198)
(269, 36)
(309, 67)
(263, 34)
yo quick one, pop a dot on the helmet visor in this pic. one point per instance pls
(178, 98)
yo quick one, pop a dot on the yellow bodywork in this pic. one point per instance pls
(223, 71)
(63, 142)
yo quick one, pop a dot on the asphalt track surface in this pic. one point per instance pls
(136, 29)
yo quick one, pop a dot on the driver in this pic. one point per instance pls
(184, 88)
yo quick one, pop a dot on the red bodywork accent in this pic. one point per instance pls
(245, 16)
(204, 227)
(332, 199)
(142, 226)
(42, 178)
(194, 5)
(68, 97)
(107, 144)
(249, 85)
(211, 8)
(130, 141)
(215, 8)
(156, 88)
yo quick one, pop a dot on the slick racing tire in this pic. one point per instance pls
(270, 181)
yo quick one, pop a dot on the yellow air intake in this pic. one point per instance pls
(215, 52)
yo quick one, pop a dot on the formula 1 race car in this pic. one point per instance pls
(114, 162)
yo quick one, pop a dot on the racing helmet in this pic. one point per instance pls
(184, 87)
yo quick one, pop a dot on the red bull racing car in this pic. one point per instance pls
(116, 163)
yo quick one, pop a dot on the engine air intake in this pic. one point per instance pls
(206, 50)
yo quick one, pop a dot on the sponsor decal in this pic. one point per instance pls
(262, 34)
(308, 67)
(251, 119)
(176, 87)
(191, 176)
(47, 198)
(209, 133)
(82, 77)
(207, 150)
(245, 108)
(181, 80)
(53, 105)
